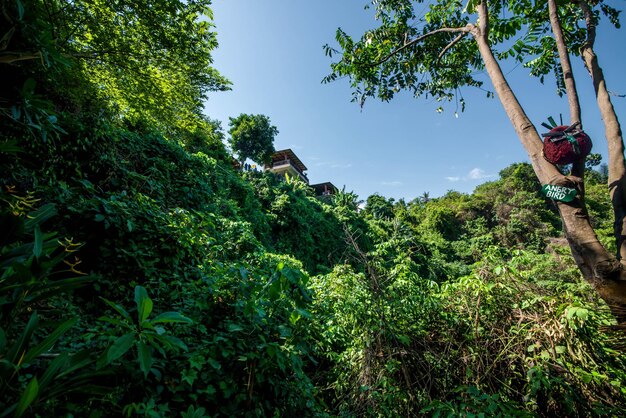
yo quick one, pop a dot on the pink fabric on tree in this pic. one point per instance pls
(562, 152)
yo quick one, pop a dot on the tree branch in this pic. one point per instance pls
(578, 168)
(591, 30)
(451, 44)
(412, 42)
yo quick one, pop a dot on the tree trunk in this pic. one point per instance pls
(578, 168)
(599, 267)
(613, 132)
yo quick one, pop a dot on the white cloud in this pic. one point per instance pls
(474, 174)
(477, 174)
(394, 183)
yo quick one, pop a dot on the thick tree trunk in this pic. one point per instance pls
(613, 132)
(596, 264)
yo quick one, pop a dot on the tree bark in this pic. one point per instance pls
(613, 132)
(578, 168)
(599, 267)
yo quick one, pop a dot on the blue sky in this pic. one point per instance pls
(272, 52)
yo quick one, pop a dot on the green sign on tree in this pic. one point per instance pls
(560, 193)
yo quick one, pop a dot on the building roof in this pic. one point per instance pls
(287, 154)
(321, 187)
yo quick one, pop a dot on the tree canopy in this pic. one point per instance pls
(252, 136)
(149, 61)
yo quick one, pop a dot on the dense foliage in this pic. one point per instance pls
(142, 275)
(252, 136)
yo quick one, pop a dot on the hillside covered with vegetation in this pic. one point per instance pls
(143, 274)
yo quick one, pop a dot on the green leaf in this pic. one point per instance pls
(57, 364)
(120, 347)
(171, 342)
(20, 346)
(28, 396)
(214, 363)
(39, 216)
(113, 321)
(37, 246)
(50, 340)
(118, 309)
(171, 317)
(234, 327)
(10, 147)
(144, 355)
(144, 303)
(470, 7)
(20, 10)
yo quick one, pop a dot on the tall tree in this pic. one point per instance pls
(252, 136)
(613, 131)
(437, 54)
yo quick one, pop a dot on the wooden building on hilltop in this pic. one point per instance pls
(287, 162)
(324, 189)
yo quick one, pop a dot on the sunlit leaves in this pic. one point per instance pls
(386, 60)
(150, 61)
(252, 136)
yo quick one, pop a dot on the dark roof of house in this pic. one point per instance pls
(287, 154)
(320, 187)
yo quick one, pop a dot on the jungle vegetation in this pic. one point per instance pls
(142, 274)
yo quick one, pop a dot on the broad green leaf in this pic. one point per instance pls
(18, 348)
(144, 303)
(50, 340)
(171, 317)
(214, 363)
(118, 309)
(57, 364)
(234, 327)
(28, 396)
(120, 347)
(40, 215)
(10, 147)
(144, 355)
(38, 244)
(20, 9)
(113, 321)
(171, 342)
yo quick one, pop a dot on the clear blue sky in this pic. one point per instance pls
(272, 52)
